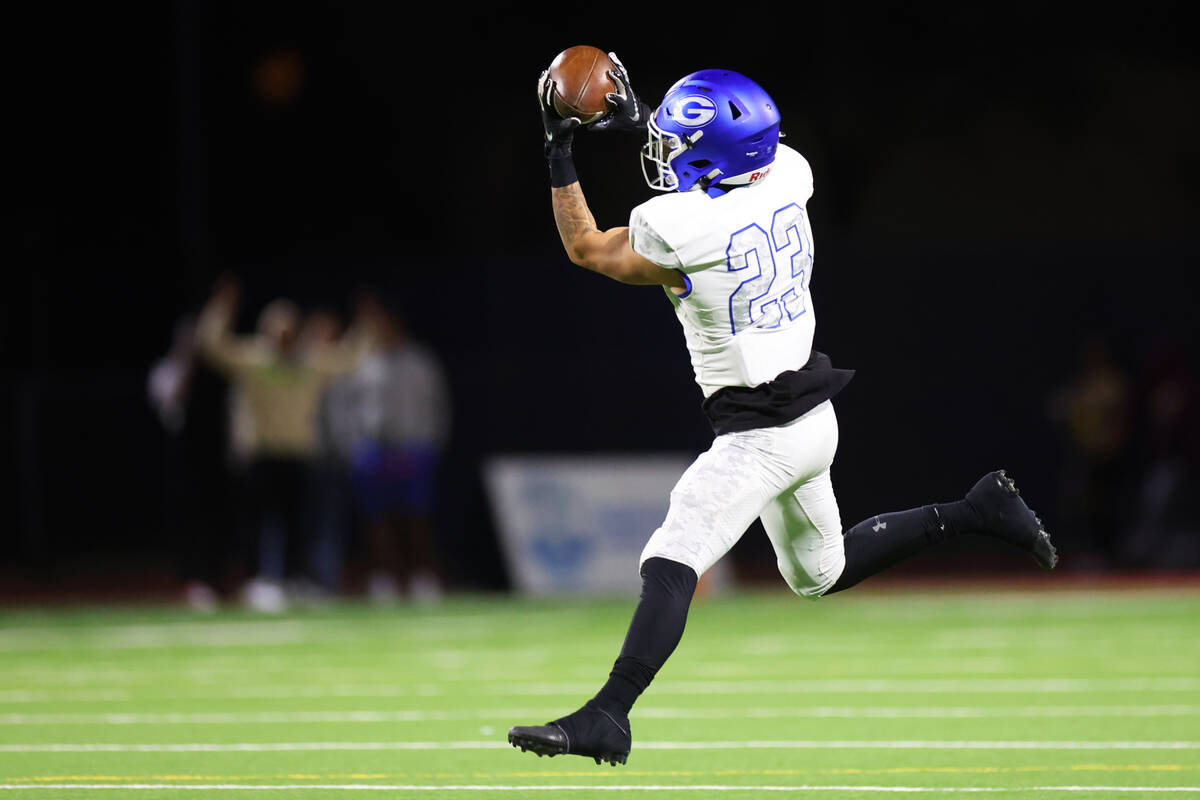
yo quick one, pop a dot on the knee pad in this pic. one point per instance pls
(811, 587)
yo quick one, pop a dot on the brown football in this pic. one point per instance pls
(581, 81)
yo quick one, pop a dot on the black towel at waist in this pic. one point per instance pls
(790, 395)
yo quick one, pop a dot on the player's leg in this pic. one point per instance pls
(713, 503)
(711, 506)
(815, 559)
(800, 531)
(805, 529)
(993, 508)
(804, 523)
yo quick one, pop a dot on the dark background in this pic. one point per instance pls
(998, 187)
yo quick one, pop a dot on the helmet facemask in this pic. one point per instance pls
(662, 148)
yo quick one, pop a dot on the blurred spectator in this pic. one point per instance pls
(331, 508)
(277, 384)
(401, 405)
(187, 398)
(1094, 410)
(1167, 531)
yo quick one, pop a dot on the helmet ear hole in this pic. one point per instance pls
(700, 163)
(734, 110)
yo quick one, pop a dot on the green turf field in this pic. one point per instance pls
(871, 694)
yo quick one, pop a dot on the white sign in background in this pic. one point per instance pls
(577, 524)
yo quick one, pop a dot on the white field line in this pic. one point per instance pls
(479, 676)
(917, 685)
(206, 665)
(381, 787)
(230, 633)
(254, 747)
(662, 687)
(81, 696)
(1173, 664)
(136, 637)
(226, 692)
(418, 715)
(388, 662)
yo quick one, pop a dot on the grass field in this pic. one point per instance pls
(1081, 694)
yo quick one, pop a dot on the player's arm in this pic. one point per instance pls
(606, 252)
(214, 329)
(352, 348)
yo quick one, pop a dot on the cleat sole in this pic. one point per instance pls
(528, 745)
(555, 739)
(1044, 551)
(1041, 548)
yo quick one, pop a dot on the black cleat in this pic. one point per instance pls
(1003, 514)
(588, 732)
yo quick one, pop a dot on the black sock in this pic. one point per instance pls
(875, 544)
(657, 626)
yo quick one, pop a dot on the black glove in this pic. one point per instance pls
(558, 133)
(629, 112)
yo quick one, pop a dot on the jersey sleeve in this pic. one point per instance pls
(647, 242)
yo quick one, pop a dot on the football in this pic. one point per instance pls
(581, 81)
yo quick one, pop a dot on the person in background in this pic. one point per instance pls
(1167, 502)
(1094, 412)
(186, 397)
(331, 509)
(277, 384)
(403, 417)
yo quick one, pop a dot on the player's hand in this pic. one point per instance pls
(558, 133)
(627, 111)
(227, 291)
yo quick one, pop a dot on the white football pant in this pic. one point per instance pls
(780, 475)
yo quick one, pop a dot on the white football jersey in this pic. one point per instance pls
(747, 257)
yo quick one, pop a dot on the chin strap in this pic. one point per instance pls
(706, 182)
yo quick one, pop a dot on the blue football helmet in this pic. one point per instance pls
(714, 130)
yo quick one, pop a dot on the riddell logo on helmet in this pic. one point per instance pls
(759, 175)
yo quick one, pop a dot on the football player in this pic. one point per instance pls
(730, 241)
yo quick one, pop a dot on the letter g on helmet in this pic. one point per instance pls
(692, 110)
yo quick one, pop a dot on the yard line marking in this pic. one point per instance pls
(223, 633)
(334, 690)
(379, 787)
(83, 696)
(919, 745)
(920, 685)
(541, 773)
(920, 712)
(128, 637)
(492, 744)
(416, 715)
(666, 687)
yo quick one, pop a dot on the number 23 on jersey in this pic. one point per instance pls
(765, 299)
